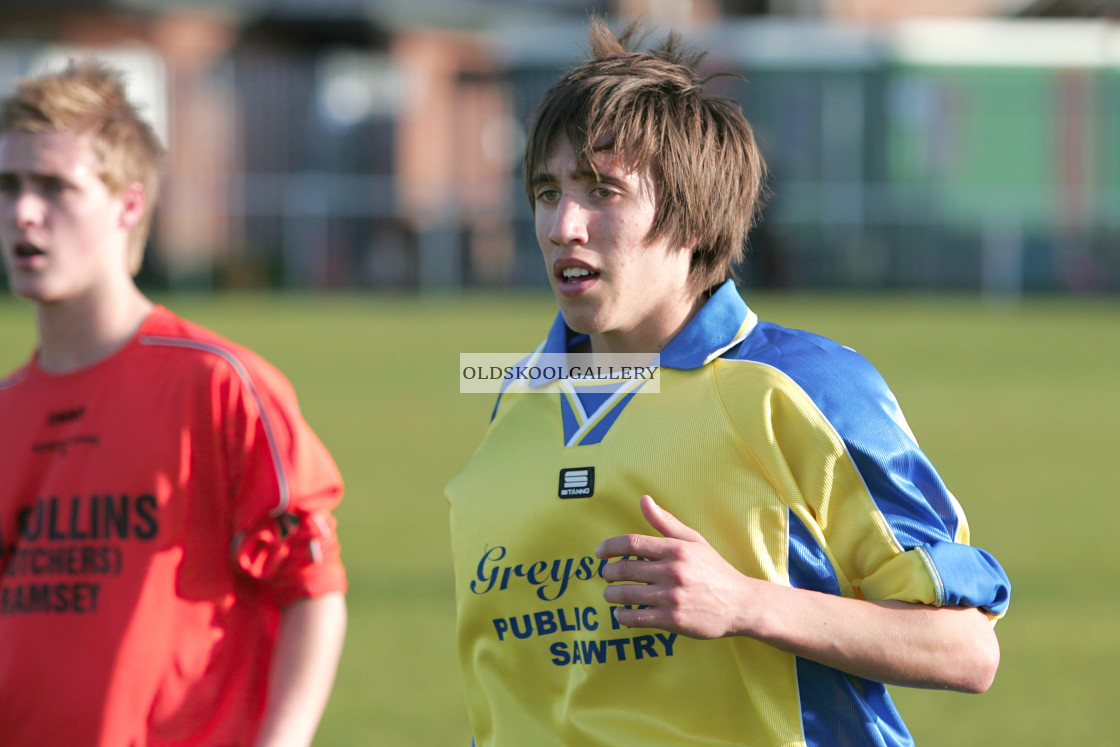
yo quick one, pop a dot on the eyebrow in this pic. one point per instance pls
(544, 177)
(32, 173)
(541, 177)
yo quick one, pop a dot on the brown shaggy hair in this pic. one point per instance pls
(650, 112)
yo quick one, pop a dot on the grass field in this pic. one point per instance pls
(1018, 406)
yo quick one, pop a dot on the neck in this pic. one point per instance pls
(650, 336)
(79, 332)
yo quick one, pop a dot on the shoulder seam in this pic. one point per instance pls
(243, 373)
(15, 379)
(832, 429)
(731, 420)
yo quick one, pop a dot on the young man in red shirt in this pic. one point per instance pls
(169, 570)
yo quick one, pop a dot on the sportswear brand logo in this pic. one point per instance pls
(58, 417)
(578, 482)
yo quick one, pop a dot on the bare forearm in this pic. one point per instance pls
(895, 642)
(308, 646)
(681, 584)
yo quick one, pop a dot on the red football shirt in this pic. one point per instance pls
(157, 510)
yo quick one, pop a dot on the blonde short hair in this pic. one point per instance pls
(89, 97)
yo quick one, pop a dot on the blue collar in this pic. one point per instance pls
(723, 321)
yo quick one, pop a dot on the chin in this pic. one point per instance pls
(581, 322)
(25, 291)
(35, 292)
(582, 315)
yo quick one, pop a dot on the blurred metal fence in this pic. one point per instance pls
(975, 156)
(312, 193)
(979, 156)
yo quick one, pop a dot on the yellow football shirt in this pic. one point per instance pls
(786, 451)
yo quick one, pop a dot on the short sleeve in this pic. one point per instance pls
(869, 503)
(284, 486)
(918, 575)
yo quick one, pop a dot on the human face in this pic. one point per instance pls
(628, 293)
(63, 235)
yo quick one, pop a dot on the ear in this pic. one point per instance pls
(133, 203)
(689, 245)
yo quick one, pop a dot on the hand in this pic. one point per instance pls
(684, 585)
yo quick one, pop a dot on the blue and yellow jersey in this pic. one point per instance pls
(787, 451)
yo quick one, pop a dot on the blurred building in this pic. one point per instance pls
(1071, 9)
(376, 143)
(326, 144)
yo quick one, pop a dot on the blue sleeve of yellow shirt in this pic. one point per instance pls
(923, 516)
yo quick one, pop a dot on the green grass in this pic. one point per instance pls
(1018, 407)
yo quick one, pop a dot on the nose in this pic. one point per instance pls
(26, 208)
(569, 223)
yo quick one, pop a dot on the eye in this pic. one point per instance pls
(548, 194)
(602, 193)
(9, 184)
(53, 185)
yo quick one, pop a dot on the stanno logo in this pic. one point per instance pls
(577, 483)
(58, 417)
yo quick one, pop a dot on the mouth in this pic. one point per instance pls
(575, 275)
(25, 250)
